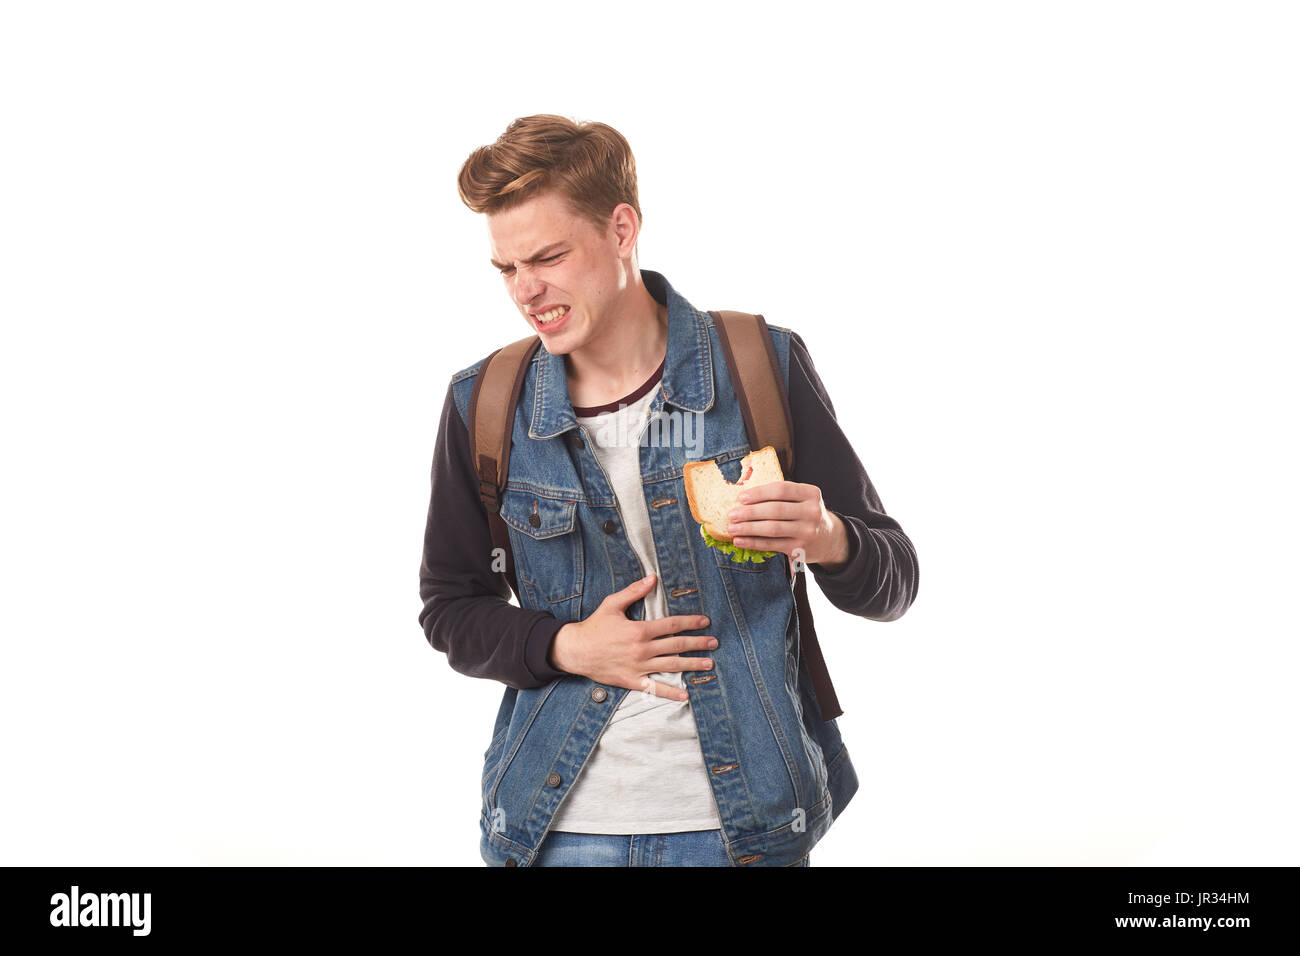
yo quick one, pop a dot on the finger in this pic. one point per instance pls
(783, 545)
(674, 624)
(666, 691)
(622, 600)
(774, 491)
(787, 510)
(673, 664)
(769, 528)
(686, 642)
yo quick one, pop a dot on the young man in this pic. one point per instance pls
(658, 709)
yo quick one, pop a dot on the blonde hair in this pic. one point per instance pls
(590, 164)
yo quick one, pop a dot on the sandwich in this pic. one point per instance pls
(711, 497)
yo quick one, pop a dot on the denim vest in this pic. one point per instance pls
(779, 774)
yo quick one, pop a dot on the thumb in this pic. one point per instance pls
(622, 600)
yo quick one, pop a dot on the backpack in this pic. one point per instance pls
(764, 404)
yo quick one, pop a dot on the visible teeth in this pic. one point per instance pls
(553, 314)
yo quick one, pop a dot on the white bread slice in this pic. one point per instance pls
(711, 496)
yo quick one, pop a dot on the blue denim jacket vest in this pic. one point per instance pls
(779, 773)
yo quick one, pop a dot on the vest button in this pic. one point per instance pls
(511, 862)
(534, 519)
(598, 694)
(553, 779)
(609, 526)
(578, 442)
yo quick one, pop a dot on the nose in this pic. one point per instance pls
(527, 287)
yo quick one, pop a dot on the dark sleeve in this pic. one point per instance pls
(879, 580)
(467, 612)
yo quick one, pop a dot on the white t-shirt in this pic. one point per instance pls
(646, 773)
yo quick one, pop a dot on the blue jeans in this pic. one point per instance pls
(689, 848)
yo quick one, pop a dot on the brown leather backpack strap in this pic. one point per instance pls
(765, 404)
(827, 700)
(492, 406)
(756, 377)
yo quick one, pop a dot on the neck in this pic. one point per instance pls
(625, 350)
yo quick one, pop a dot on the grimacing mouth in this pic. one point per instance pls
(550, 315)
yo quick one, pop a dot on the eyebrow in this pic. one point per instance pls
(539, 254)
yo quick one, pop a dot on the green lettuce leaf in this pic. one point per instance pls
(739, 555)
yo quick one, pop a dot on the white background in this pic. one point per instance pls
(1043, 255)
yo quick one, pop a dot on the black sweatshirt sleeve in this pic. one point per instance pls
(467, 612)
(879, 580)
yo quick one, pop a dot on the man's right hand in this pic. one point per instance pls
(612, 649)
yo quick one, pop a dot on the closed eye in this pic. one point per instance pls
(509, 269)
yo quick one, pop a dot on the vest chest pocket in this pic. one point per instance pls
(755, 567)
(547, 547)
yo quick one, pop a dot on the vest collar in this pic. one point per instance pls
(688, 368)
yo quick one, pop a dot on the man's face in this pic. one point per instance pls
(562, 273)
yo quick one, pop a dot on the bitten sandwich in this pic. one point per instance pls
(711, 497)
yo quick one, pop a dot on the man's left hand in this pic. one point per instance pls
(786, 516)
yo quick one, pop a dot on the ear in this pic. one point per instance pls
(626, 227)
